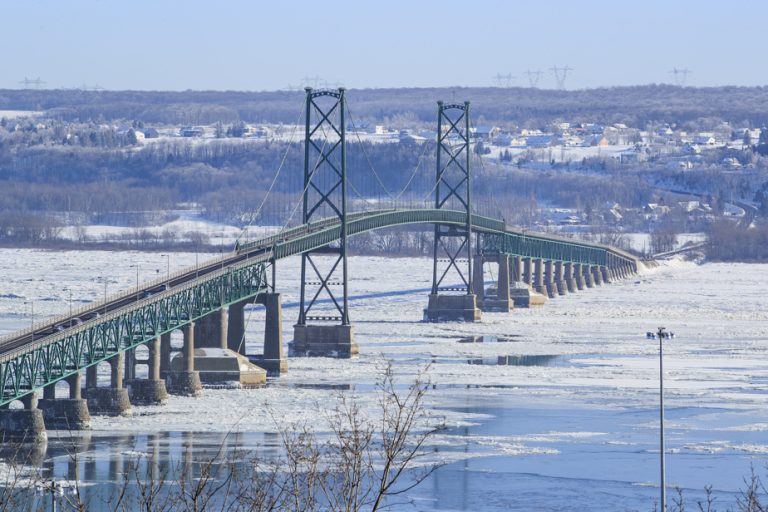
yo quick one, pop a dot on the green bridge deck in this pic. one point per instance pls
(29, 362)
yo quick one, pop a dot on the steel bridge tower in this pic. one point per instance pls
(324, 195)
(452, 244)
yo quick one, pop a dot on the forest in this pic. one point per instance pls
(633, 106)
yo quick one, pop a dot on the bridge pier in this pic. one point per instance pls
(538, 278)
(152, 390)
(549, 279)
(63, 413)
(110, 401)
(236, 326)
(502, 302)
(578, 276)
(186, 381)
(165, 355)
(324, 340)
(597, 276)
(570, 282)
(23, 425)
(212, 330)
(478, 281)
(589, 280)
(273, 359)
(562, 288)
(516, 270)
(528, 271)
(605, 274)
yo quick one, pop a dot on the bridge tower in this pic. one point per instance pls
(452, 244)
(324, 270)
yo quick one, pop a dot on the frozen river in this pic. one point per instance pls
(557, 410)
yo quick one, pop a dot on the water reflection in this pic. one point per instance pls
(516, 360)
(486, 338)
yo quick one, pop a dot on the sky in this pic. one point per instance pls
(269, 45)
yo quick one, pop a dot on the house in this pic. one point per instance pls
(191, 131)
(485, 132)
(151, 133)
(731, 163)
(704, 140)
(539, 141)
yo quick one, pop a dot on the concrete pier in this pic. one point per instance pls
(597, 275)
(165, 355)
(578, 276)
(501, 302)
(152, 390)
(110, 401)
(570, 281)
(324, 340)
(212, 330)
(450, 308)
(236, 325)
(187, 381)
(478, 279)
(527, 271)
(23, 425)
(538, 278)
(549, 280)
(562, 287)
(605, 274)
(273, 360)
(65, 413)
(515, 269)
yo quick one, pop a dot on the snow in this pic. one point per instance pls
(600, 396)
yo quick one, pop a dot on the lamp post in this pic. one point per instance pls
(167, 269)
(31, 317)
(661, 334)
(136, 266)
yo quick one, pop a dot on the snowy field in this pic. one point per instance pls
(575, 428)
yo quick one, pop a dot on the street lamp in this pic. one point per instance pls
(70, 302)
(31, 317)
(661, 334)
(167, 269)
(56, 490)
(136, 266)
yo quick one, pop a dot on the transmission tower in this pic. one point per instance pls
(681, 75)
(504, 80)
(533, 78)
(560, 75)
(36, 82)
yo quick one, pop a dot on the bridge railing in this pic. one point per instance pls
(48, 340)
(95, 306)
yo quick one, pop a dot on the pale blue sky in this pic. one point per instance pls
(255, 45)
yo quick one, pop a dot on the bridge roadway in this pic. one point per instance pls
(60, 347)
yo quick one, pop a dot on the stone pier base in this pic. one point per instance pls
(562, 288)
(274, 367)
(108, 401)
(22, 426)
(571, 285)
(323, 340)
(184, 383)
(498, 305)
(452, 308)
(65, 413)
(551, 290)
(147, 391)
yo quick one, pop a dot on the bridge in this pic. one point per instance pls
(206, 302)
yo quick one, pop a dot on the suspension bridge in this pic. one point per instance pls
(207, 302)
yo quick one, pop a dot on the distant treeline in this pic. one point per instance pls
(634, 106)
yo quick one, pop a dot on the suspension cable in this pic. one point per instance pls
(255, 214)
